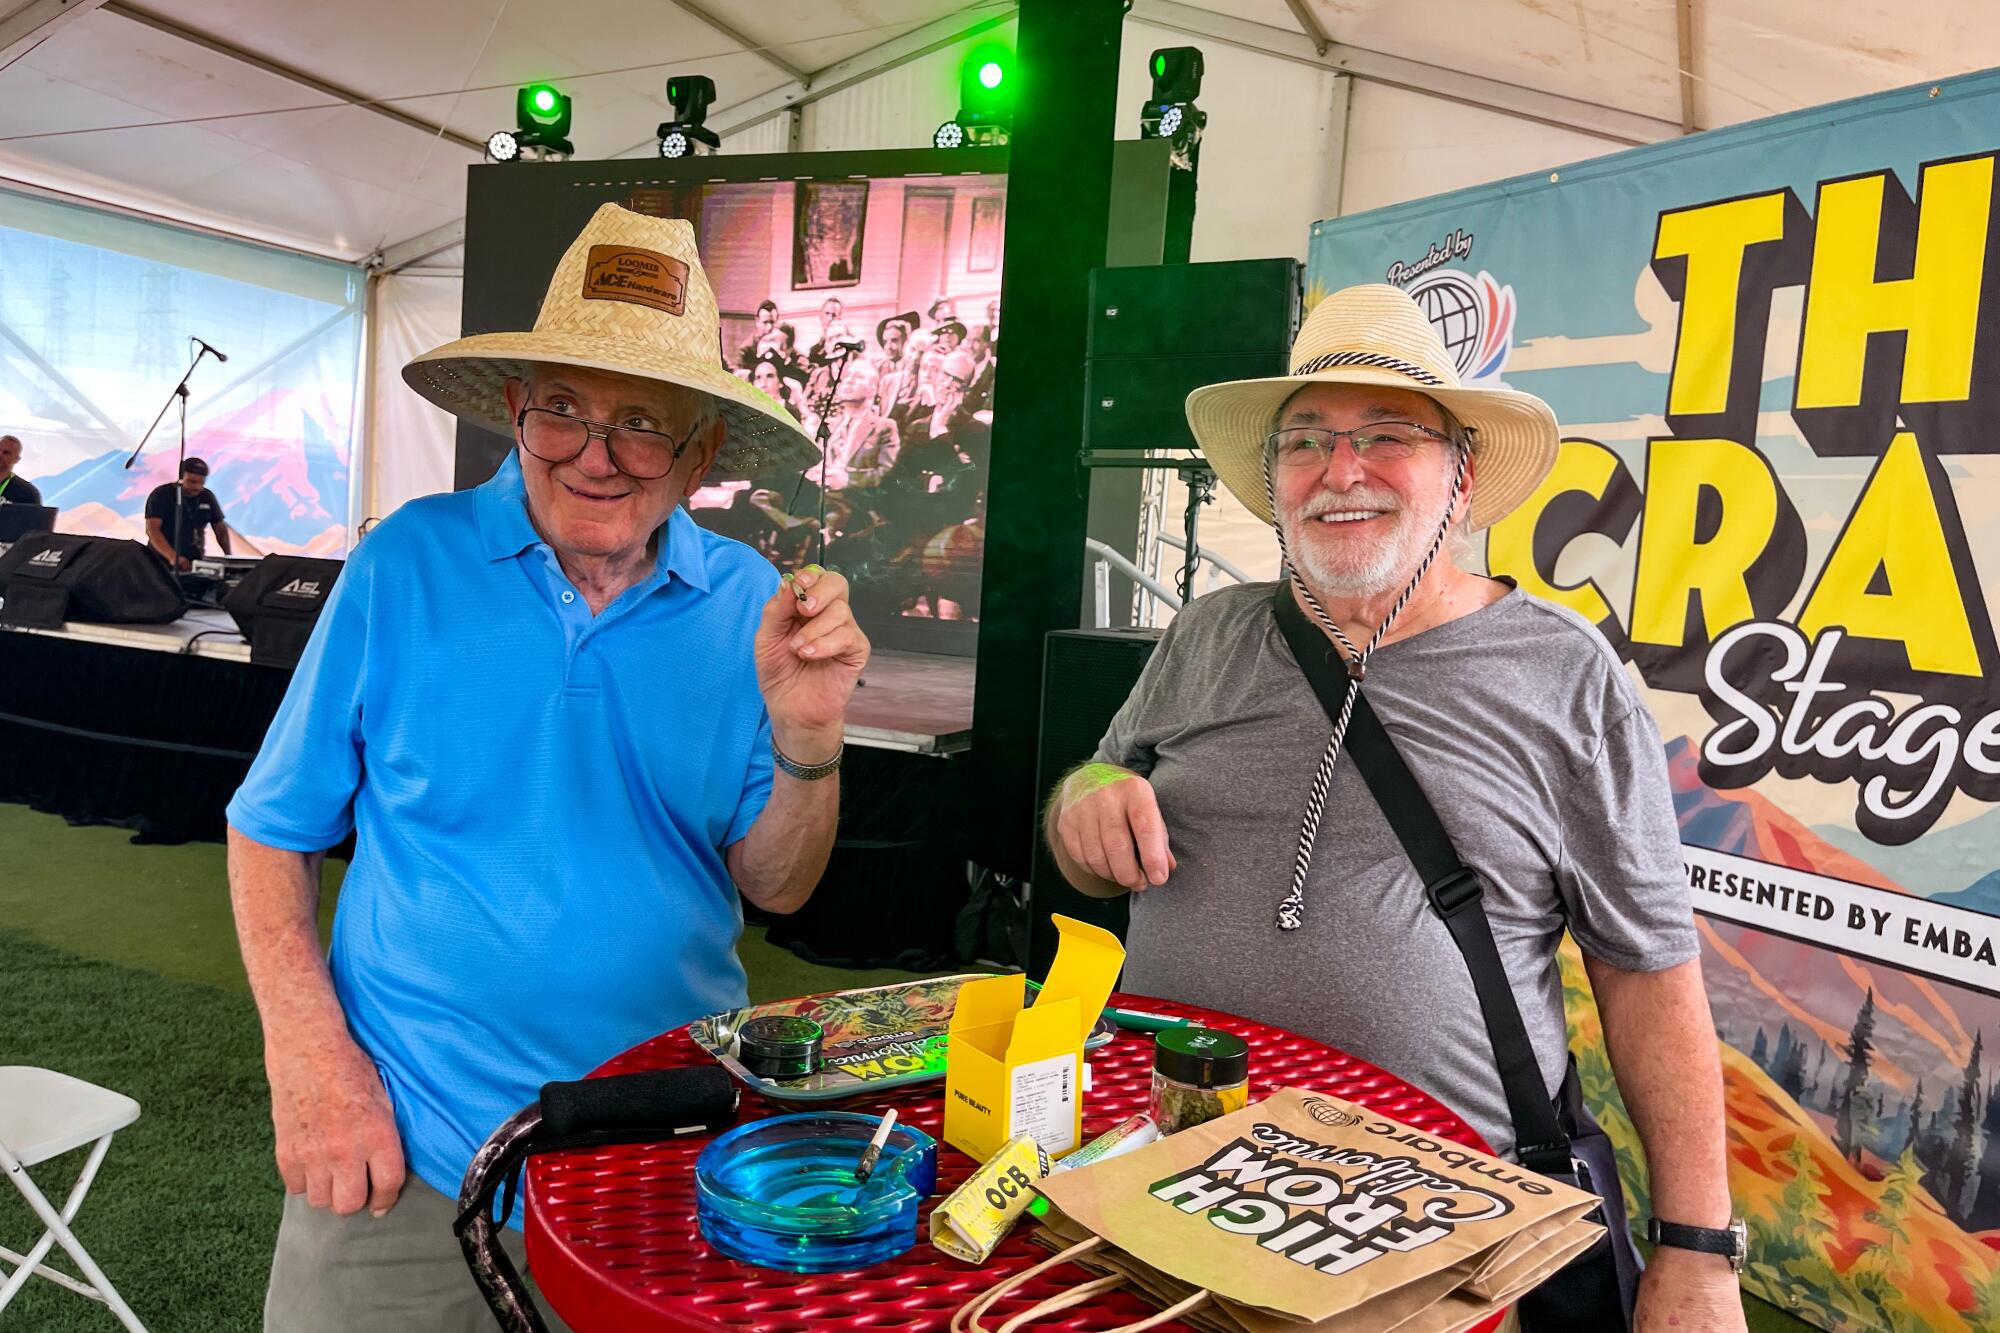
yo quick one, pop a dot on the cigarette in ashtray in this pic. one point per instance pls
(873, 1152)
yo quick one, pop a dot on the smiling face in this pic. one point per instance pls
(893, 338)
(586, 507)
(1355, 528)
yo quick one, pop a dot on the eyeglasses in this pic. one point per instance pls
(1379, 441)
(556, 437)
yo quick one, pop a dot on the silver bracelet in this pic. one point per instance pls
(807, 772)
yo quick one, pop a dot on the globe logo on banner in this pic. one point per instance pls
(1474, 317)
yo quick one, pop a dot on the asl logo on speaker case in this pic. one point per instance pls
(46, 564)
(300, 590)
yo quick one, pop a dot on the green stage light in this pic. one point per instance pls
(541, 126)
(986, 94)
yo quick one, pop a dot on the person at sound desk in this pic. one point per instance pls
(199, 512)
(14, 488)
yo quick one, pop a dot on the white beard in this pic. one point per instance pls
(1362, 571)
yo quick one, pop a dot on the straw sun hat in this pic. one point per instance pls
(1376, 335)
(629, 297)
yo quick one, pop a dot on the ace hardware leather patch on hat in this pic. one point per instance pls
(643, 277)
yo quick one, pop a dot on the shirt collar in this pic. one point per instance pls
(505, 530)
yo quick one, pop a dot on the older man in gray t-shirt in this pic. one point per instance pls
(1532, 745)
(1268, 880)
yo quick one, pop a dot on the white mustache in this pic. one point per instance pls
(1351, 502)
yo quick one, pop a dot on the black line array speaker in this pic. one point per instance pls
(1157, 332)
(277, 604)
(1086, 676)
(49, 577)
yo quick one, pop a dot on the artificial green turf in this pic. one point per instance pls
(118, 964)
(183, 1212)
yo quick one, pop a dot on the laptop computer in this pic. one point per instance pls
(17, 521)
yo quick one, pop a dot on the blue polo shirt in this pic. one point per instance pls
(540, 799)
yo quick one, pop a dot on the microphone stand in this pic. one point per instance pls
(180, 498)
(824, 405)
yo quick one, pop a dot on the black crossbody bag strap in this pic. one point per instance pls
(1454, 890)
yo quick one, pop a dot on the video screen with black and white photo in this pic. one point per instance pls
(872, 308)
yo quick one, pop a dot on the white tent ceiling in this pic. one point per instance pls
(239, 114)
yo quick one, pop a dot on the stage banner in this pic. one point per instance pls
(1775, 352)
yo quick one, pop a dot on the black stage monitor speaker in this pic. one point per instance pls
(1245, 305)
(276, 604)
(1160, 331)
(1086, 675)
(1140, 402)
(49, 577)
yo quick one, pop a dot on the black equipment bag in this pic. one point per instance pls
(49, 577)
(1555, 1138)
(277, 604)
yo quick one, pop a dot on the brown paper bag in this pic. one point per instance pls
(1449, 1312)
(1306, 1207)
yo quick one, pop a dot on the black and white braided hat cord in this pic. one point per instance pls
(1291, 912)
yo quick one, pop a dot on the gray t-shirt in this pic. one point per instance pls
(1530, 740)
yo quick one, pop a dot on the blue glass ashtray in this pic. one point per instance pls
(781, 1193)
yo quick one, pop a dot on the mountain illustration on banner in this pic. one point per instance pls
(274, 465)
(1780, 1005)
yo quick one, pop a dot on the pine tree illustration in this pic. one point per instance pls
(1957, 1197)
(1850, 1119)
(1914, 1144)
(1986, 1211)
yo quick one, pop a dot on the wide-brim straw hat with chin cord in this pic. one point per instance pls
(629, 298)
(1376, 335)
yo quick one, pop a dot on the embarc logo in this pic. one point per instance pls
(300, 588)
(1328, 1114)
(1473, 316)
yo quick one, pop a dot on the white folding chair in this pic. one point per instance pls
(44, 1114)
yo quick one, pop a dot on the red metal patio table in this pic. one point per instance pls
(614, 1247)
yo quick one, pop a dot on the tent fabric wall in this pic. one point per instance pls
(410, 442)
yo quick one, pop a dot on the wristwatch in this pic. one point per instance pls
(807, 772)
(1732, 1241)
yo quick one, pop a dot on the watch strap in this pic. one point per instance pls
(1726, 1241)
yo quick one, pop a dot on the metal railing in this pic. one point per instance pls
(1108, 558)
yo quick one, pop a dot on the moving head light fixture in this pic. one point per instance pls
(1170, 113)
(985, 101)
(541, 127)
(691, 95)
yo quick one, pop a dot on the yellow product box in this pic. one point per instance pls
(1014, 1069)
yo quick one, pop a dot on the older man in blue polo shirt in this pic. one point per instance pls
(566, 726)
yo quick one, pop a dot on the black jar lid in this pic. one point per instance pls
(1202, 1057)
(786, 1040)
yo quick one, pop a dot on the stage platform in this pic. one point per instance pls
(153, 726)
(920, 703)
